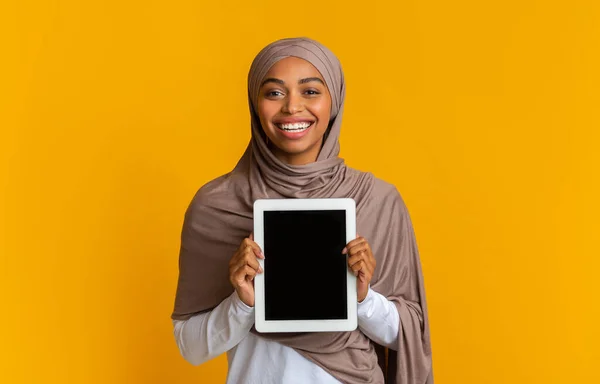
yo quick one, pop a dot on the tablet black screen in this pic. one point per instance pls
(305, 270)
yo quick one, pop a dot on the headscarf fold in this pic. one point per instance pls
(220, 217)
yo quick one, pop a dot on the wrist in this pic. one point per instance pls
(362, 297)
(240, 302)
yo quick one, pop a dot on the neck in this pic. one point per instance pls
(306, 157)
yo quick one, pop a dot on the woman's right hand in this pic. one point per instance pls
(243, 267)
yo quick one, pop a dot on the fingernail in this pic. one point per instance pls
(344, 250)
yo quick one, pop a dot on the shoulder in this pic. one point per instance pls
(213, 187)
(208, 193)
(374, 188)
(377, 195)
(385, 191)
(387, 196)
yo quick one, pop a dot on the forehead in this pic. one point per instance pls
(293, 68)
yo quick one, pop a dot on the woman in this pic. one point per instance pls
(296, 94)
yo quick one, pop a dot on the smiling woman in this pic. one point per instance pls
(294, 108)
(296, 95)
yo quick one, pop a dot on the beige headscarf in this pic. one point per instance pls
(220, 217)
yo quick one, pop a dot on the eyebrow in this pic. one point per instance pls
(301, 81)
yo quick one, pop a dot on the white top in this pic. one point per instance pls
(253, 359)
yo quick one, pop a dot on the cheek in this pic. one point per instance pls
(323, 111)
(264, 113)
(267, 109)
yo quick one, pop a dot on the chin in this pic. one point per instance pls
(294, 148)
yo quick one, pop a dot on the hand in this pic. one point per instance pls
(243, 267)
(362, 262)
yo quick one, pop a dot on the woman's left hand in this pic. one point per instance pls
(362, 262)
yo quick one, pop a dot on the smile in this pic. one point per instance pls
(295, 127)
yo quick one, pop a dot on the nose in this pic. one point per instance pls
(292, 104)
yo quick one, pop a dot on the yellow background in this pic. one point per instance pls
(483, 113)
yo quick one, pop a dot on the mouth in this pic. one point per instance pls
(295, 127)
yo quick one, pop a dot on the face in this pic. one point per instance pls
(294, 107)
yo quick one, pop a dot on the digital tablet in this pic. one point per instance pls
(306, 285)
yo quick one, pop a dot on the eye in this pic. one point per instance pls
(312, 92)
(274, 94)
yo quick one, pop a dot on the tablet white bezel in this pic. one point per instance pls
(262, 325)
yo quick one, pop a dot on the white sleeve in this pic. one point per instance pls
(208, 335)
(379, 320)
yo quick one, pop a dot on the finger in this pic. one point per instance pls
(358, 266)
(251, 237)
(236, 259)
(357, 245)
(248, 243)
(353, 243)
(356, 258)
(242, 274)
(248, 258)
(365, 254)
(250, 272)
(240, 262)
(357, 249)
(363, 274)
(253, 262)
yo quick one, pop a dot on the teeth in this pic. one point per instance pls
(295, 127)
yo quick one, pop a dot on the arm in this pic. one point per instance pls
(207, 335)
(379, 320)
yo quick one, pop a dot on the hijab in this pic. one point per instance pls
(220, 216)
